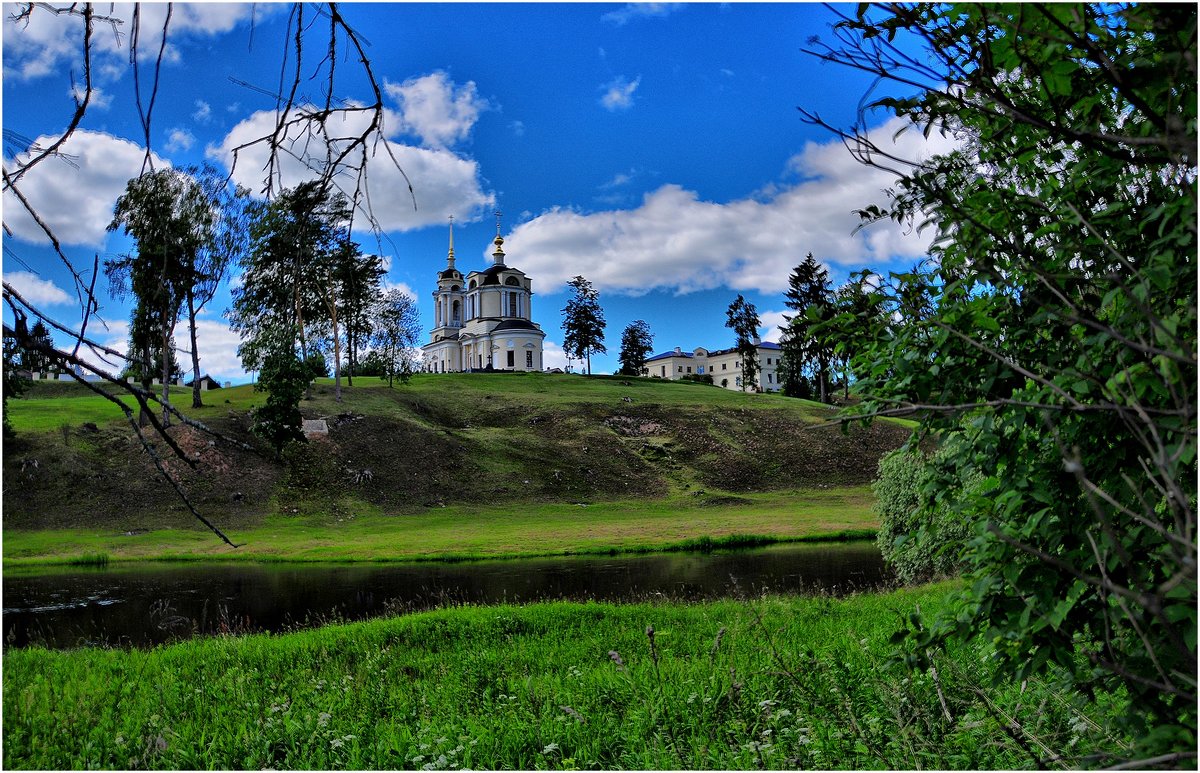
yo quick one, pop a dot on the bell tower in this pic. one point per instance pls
(448, 298)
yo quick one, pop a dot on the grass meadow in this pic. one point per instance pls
(459, 532)
(765, 683)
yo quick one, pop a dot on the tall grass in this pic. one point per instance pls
(774, 683)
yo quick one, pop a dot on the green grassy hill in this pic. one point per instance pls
(456, 440)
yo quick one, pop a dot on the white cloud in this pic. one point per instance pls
(618, 93)
(553, 356)
(677, 242)
(179, 139)
(770, 322)
(444, 182)
(203, 112)
(47, 43)
(218, 349)
(618, 180)
(38, 291)
(386, 287)
(518, 128)
(433, 108)
(100, 99)
(216, 342)
(631, 11)
(114, 335)
(75, 193)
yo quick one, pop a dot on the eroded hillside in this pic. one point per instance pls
(444, 439)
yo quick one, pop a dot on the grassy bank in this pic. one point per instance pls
(777, 683)
(459, 442)
(502, 531)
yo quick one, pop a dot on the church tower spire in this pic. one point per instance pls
(450, 254)
(498, 255)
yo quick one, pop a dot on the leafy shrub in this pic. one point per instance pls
(283, 378)
(922, 534)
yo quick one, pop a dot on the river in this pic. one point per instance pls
(147, 604)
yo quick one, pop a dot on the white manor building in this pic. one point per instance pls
(482, 321)
(724, 365)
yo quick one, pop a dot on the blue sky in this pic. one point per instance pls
(655, 149)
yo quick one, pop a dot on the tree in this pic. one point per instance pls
(359, 282)
(742, 318)
(295, 242)
(14, 384)
(315, 135)
(1058, 348)
(167, 214)
(284, 377)
(804, 348)
(856, 319)
(583, 322)
(351, 281)
(636, 345)
(397, 326)
(33, 358)
(222, 240)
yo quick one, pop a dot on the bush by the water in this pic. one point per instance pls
(921, 534)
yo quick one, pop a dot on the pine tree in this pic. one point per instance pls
(583, 322)
(636, 343)
(804, 348)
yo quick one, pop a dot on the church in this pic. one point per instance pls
(483, 321)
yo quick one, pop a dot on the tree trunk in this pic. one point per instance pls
(147, 384)
(166, 373)
(196, 401)
(337, 350)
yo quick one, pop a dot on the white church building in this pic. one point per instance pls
(482, 321)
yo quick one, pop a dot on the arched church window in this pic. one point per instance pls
(472, 285)
(512, 282)
(456, 313)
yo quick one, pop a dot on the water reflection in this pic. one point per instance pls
(146, 605)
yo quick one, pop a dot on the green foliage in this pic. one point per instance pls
(636, 345)
(742, 318)
(293, 241)
(315, 366)
(14, 385)
(284, 378)
(583, 322)
(923, 532)
(1052, 340)
(33, 358)
(396, 326)
(171, 218)
(803, 350)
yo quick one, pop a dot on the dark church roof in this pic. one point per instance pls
(492, 275)
(515, 324)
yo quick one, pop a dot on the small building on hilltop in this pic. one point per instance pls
(724, 365)
(483, 321)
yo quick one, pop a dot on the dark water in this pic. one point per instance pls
(159, 603)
